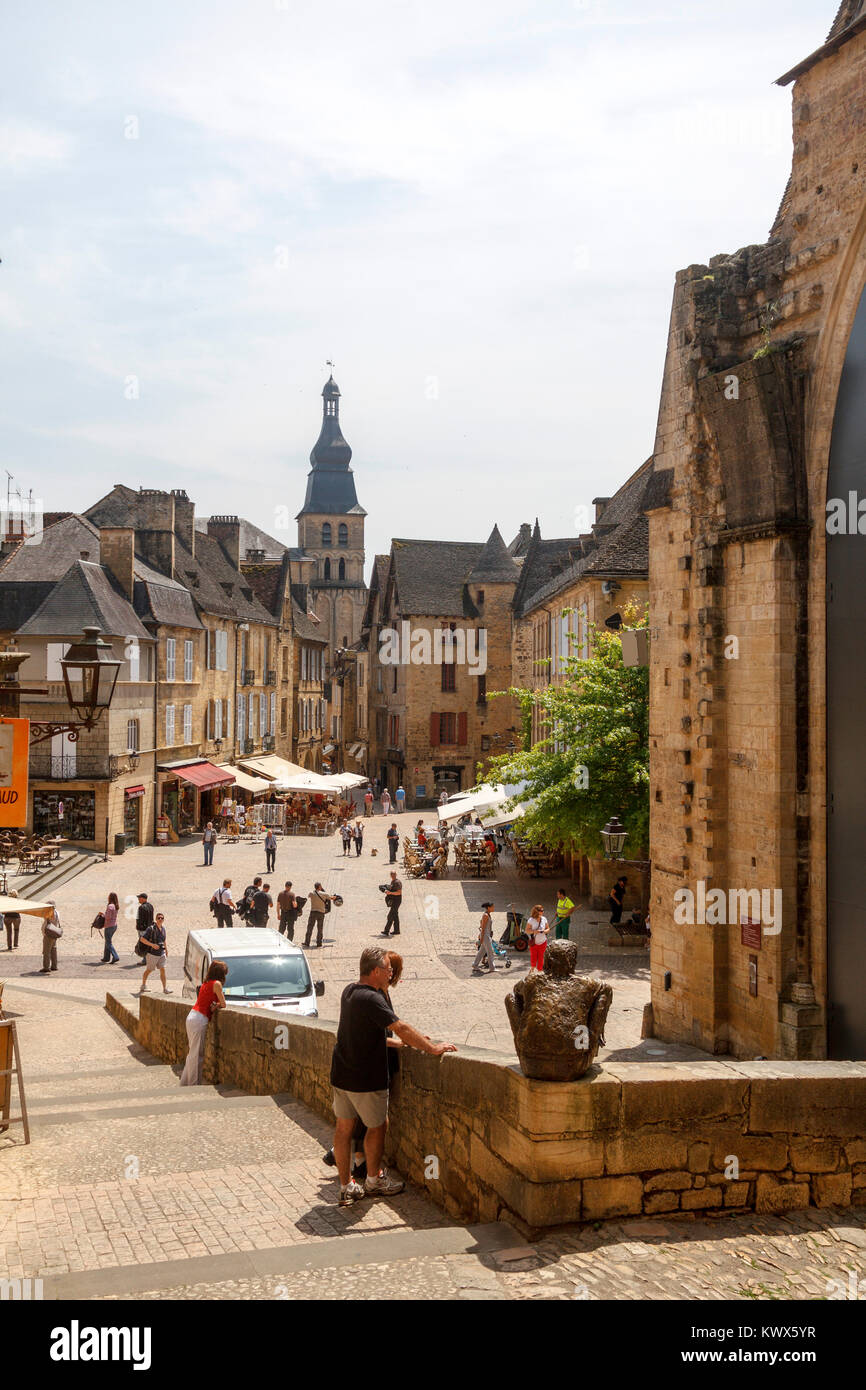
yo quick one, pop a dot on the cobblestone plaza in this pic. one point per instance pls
(133, 1188)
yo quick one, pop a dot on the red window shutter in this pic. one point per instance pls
(434, 730)
(461, 728)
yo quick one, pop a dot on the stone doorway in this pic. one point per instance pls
(846, 726)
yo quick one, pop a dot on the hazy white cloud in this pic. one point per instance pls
(476, 210)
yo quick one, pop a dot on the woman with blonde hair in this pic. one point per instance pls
(210, 998)
(537, 928)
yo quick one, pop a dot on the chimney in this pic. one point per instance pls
(227, 530)
(117, 555)
(155, 528)
(600, 504)
(184, 518)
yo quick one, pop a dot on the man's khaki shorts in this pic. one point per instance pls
(370, 1107)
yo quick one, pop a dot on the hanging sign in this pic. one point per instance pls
(14, 755)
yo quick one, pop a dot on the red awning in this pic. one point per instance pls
(204, 776)
(135, 791)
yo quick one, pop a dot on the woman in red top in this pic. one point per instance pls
(210, 998)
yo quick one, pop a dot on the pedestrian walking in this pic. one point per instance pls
(109, 927)
(393, 842)
(260, 906)
(318, 899)
(360, 1074)
(287, 906)
(368, 802)
(209, 839)
(143, 919)
(51, 934)
(564, 909)
(393, 899)
(485, 941)
(537, 928)
(346, 837)
(615, 899)
(12, 923)
(386, 802)
(358, 837)
(154, 942)
(271, 849)
(224, 904)
(400, 794)
(210, 998)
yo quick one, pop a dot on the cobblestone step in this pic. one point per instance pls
(334, 1254)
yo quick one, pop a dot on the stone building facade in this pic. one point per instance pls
(758, 751)
(439, 634)
(567, 586)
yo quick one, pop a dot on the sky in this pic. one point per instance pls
(475, 210)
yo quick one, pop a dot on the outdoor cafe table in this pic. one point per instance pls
(537, 858)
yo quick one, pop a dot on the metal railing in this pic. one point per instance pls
(61, 767)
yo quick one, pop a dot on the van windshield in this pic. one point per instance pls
(267, 977)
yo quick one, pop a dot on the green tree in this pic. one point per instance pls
(594, 763)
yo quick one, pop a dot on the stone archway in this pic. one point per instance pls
(846, 680)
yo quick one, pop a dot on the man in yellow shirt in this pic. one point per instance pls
(564, 909)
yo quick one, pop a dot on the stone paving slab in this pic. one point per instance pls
(439, 928)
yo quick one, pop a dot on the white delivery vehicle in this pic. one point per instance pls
(265, 970)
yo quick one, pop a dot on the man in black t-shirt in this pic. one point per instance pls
(359, 1072)
(261, 906)
(143, 920)
(615, 899)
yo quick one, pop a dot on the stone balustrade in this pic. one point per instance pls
(629, 1138)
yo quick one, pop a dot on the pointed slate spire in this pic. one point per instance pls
(494, 565)
(330, 482)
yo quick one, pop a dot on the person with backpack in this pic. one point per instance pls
(143, 919)
(222, 904)
(270, 849)
(209, 839)
(287, 906)
(109, 927)
(319, 905)
(261, 905)
(154, 942)
(243, 908)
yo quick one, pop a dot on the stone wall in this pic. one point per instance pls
(631, 1138)
(603, 874)
(737, 590)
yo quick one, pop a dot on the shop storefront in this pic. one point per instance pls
(133, 799)
(192, 795)
(71, 814)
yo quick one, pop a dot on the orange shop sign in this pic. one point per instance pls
(14, 754)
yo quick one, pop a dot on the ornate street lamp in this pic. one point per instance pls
(90, 663)
(613, 838)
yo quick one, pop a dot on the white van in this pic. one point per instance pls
(265, 970)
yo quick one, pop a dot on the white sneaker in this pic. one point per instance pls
(383, 1185)
(351, 1193)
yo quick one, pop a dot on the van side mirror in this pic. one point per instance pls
(320, 988)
